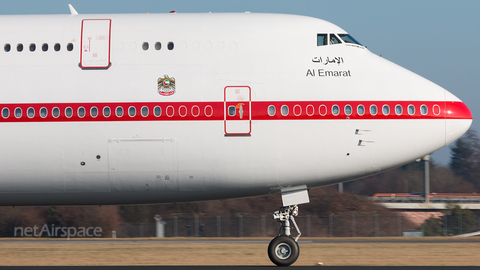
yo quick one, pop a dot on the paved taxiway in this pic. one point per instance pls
(246, 241)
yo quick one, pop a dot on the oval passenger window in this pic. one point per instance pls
(335, 110)
(386, 110)
(411, 109)
(93, 112)
(271, 110)
(119, 111)
(157, 111)
(43, 112)
(144, 111)
(348, 110)
(398, 110)
(56, 112)
(424, 109)
(360, 110)
(81, 112)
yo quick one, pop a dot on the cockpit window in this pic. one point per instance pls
(349, 39)
(322, 39)
(334, 39)
(326, 39)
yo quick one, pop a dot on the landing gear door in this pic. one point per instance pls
(237, 111)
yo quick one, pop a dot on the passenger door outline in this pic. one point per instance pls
(237, 111)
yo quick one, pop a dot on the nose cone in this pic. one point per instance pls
(458, 119)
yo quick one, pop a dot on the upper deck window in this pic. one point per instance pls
(349, 39)
(327, 39)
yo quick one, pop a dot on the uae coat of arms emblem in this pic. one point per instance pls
(166, 86)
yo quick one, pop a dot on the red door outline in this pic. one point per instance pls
(85, 45)
(238, 97)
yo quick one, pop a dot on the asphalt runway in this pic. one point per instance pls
(238, 267)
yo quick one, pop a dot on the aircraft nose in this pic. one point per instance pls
(458, 119)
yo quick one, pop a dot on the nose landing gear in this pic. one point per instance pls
(283, 250)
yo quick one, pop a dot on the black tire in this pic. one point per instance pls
(283, 250)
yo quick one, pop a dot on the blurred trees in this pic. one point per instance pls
(329, 212)
(106, 217)
(18, 217)
(410, 178)
(433, 227)
(456, 221)
(323, 206)
(465, 158)
(460, 220)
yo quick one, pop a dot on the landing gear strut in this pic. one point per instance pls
(283, 250)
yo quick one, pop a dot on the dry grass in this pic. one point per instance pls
(174, 253)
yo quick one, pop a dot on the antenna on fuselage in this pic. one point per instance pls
(72, 10)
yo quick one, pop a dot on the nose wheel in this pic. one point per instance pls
(283, 250)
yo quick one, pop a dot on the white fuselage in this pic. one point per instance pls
(187, 146)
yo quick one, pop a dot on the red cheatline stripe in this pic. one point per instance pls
(259, 110)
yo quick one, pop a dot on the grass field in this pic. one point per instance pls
(56, 253)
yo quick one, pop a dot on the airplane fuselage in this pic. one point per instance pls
(154, 108)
